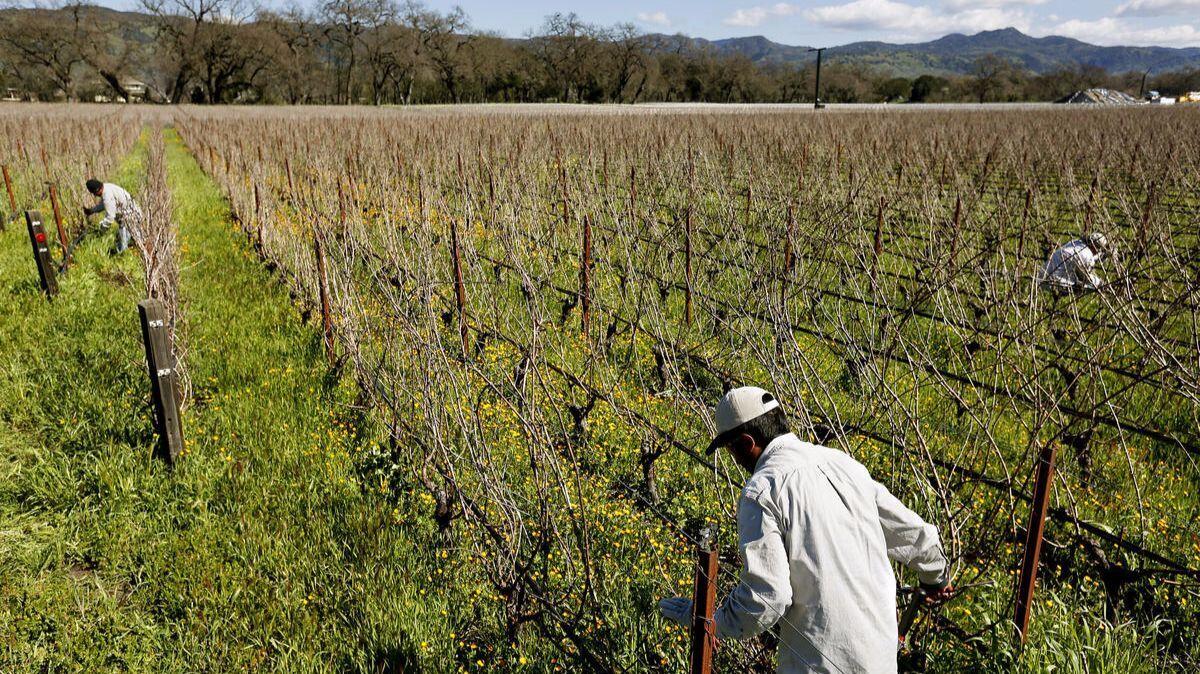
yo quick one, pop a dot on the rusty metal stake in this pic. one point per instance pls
(323, 291)
(58, 222)
(12, 200)
(460, 290)
(1033, 538)
(704, 596)
(585, 277)
(687, 267)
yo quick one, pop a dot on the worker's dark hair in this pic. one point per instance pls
(94, 185)
(766, 427)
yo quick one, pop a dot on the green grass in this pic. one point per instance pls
(259, 551)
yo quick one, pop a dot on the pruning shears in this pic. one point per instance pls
(910, 615)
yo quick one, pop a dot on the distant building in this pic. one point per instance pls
(136, 90)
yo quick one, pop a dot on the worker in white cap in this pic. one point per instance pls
(1073, 266)
(815, 534)
(118, 207)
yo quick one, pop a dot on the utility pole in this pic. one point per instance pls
(817, 104)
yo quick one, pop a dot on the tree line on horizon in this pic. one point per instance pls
(403, 52)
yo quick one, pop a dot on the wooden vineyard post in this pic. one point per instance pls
(164, 379)
(1033, 538)
(58, 222)
(585, 277)
(12, 200)
(323, 292)
(460, 291)
(704, 596)
(41, 253)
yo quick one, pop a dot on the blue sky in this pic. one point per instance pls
(1173, 23)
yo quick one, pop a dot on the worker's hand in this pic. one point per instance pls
(935, 595)
(677, 610)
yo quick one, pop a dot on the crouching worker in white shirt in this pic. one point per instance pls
(816, 533)
(1073, 266)
(118, 206)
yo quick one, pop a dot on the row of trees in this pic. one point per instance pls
(388, 51)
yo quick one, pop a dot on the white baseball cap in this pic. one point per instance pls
(736, 408)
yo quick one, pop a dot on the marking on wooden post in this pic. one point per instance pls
(585, 277)
(460, 290)
(164, 379)
(41, 253)
(58, 222)
(704, 595)
(1033, 538)
(323, 292)
(12, 200)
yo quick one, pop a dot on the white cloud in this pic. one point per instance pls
(1158, 7)
(1110, 31)
(900, 21)
(658, 18)
(989, 4)
(753, 16)
(907, 22)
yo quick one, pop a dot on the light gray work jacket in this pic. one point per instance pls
(816, 533)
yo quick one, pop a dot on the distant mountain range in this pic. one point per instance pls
(956, 53)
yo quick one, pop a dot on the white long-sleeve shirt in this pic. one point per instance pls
(816, 533)
(1073, 265)
(119, 206)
